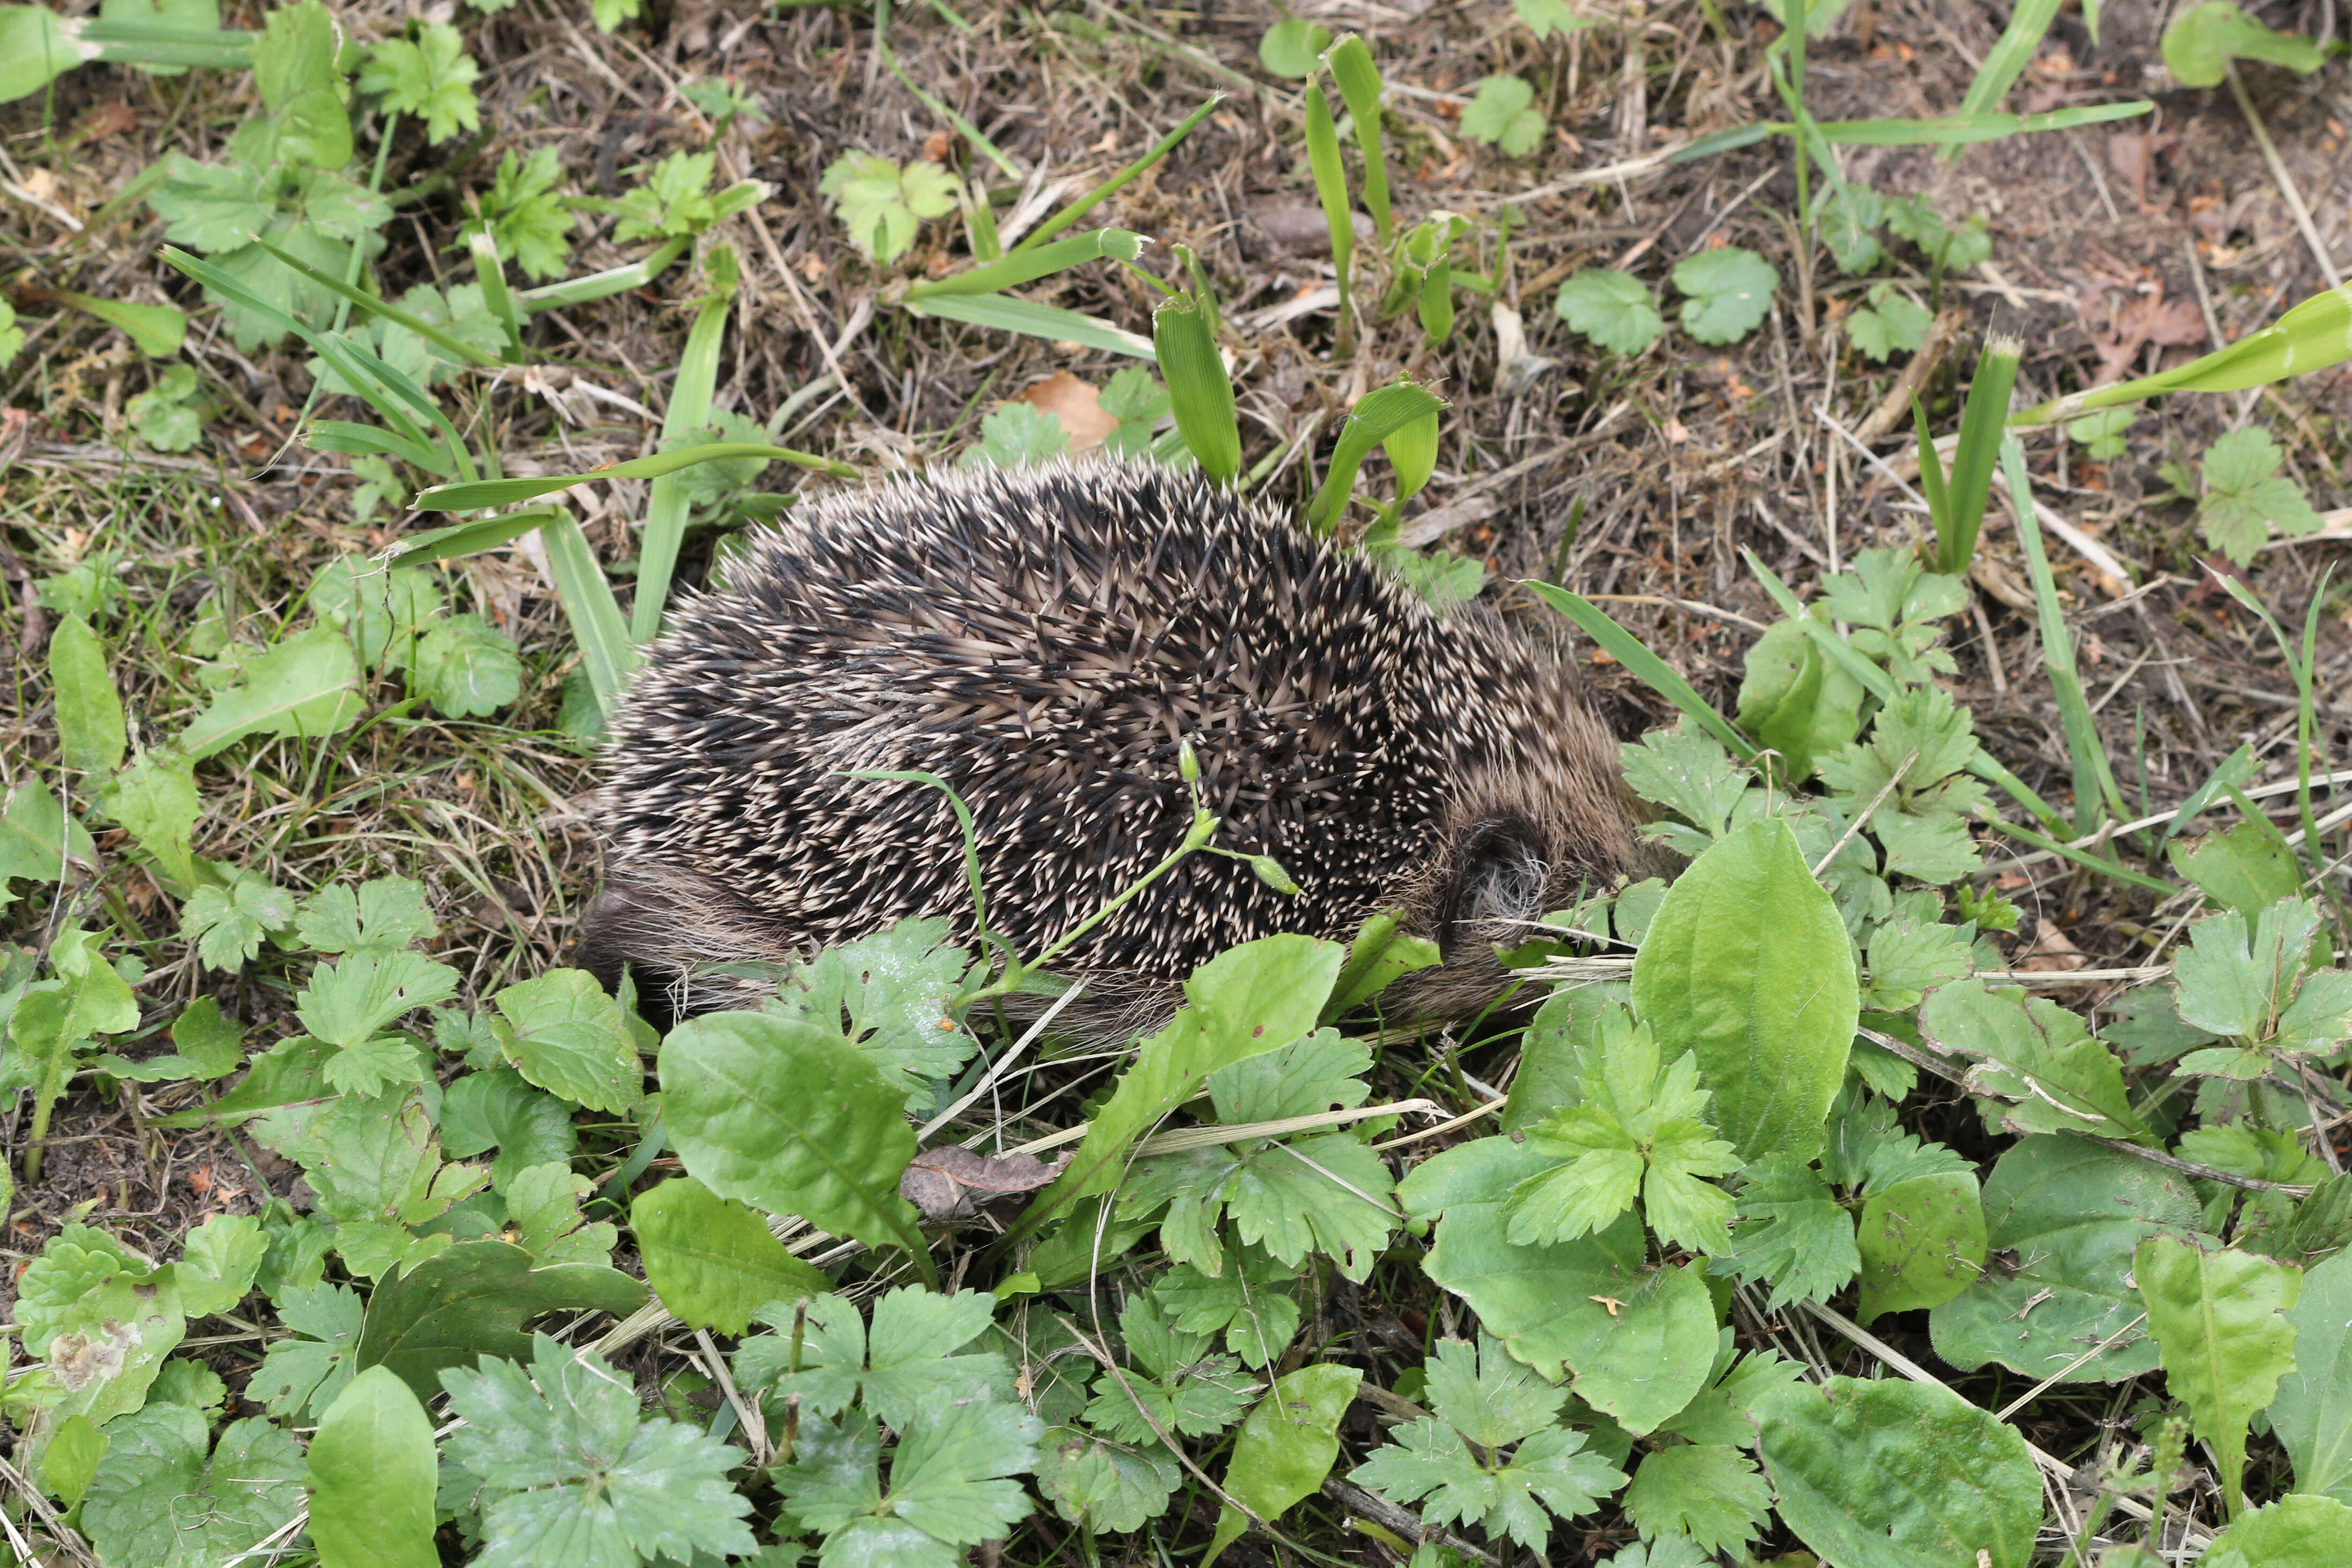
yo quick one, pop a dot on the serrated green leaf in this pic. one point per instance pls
(371, 1475)
(2294, 1532)
(432, 76)
(575, 1475)
(1893, 1474)
(906, 1362)
(887, 995)
(882, 205)
(37, 837)
(543, 1215)
(2215, 1315)
(2031, 1051)
(1709, 1493)
(467, 668)
(1102, 1485)
(496, 1109)
(712, 1261)
(155, 800)
(1499, 115)
(383, 914)
(160, 1501)
(1172, 1383)
(1615, 309)
(299, 1378)
(566, 1034)
(227, 924)
(1793, 1233)
(2247, 867)
(1244, 1298)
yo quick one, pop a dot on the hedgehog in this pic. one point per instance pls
(1048, 641)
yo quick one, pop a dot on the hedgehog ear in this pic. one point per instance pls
(1498, 874)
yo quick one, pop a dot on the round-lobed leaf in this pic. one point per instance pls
(1614, 308)
(1898, 1475)
(789, 1117)
(1729, 291)
(1747, 964)
(1293, 47)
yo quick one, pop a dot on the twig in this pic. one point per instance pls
(1402, 1521)
(2285, 182)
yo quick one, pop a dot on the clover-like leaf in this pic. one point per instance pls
(1500, 114)
(882, 205)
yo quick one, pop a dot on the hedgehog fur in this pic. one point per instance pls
(1044, 640)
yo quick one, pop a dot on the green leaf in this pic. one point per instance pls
(1890, 324)
(36, 48)
(2313, 1412)
(2203, 40)
(382, 915)
(1849, 215)
(301, 1378)
(70, 1462)
(1615, 309)
(1293, 47)
(471, 1301)
(1891, 1474)
(1106, 1486)
(883, 205)
(2034, 1052)
(1549, 1473)
(711, 1260)
(155, 801)
(1286, 1447)
(1793, 1232)
(372, 1473)
(159, 1503)
(1748, 965)
(498, 1109)
(947, 1483)
(1922, 1243)
(90, 732)
(1545, 17)
(2294, 1532)
(2247, 867)
(888, 994)
(467, 668)
(1244, 1298)
(2215, 1317)
(1729, 291)
(433, 78)
(1171, 1382)
(1500, 114)
(1720, 1414)
(227, 924)
(306, 685)
(1795, 701)
(2101, 435)
(37, 837)
(1708, 1493)
(2246, 496)
(1255, 998)
(1015, 435)
(526, 219)
(789, 1117)
(573, 1474)
(217, 1263)
(566, 1034)
(905, 1365)
(543, 1214)
(2071, 1215)
(349, 1002)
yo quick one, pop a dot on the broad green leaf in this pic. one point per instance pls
(949, 1485)
(1103, 1485)
(467, 668)
(2247, 867)
(2031, 1051)
(1708, 1492)
(2215, 1315)
(1615, 309)
(1500, 114)
(1293, 47)
(1286, 1446)
(496, 1109)
(306, 685)
(373, 1474)
(2203, 40)
(2313, 1412)
(574, 1473)
(1889, 1474)
(1015, 435)
(2295, 1532)
(1250, 1298)
(2070, 1214)
(471, 1301)
(217, 1263)
(789, 1117)
(1549, 1473)
(155, 800)
(1255, 998)
(159, 1503)
(1728, 292)
(1922, 1243)
(1748, 965)
(566, 1034)
(383, 914)
(37, 837)
(36, 48)
(227, 924)
(543, 1216)
(1170, 1384)
(1795, 701)
(90, 732)
(711, 1260)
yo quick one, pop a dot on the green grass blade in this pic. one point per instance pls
(1028, 266)
(1331, 187)
(688, 411)
(2315, 335)
(480, 493)
(1360, 88)
(1972, 460)
(1835, 648)
(1654, 671)
(1959, 129)
(1006, 313)
(439, 337)
(2124, 874)
(2008, 59)
(1118, 181)
(606, 650)
(2094, 781)
(1931, 473)
(1199, 390)
(602, 285)
(472, 538)
(1720, 142)
(1378, 416)
(490, 273)
(338, 435)
(2233, 773)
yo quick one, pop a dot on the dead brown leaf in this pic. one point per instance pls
(2052, 951)
(950, 1184)
(1077, 403)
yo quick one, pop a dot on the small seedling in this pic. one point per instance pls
(1615, 309)
(1729, 292)
(1500, 115)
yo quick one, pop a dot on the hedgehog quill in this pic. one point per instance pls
(1048, 641)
